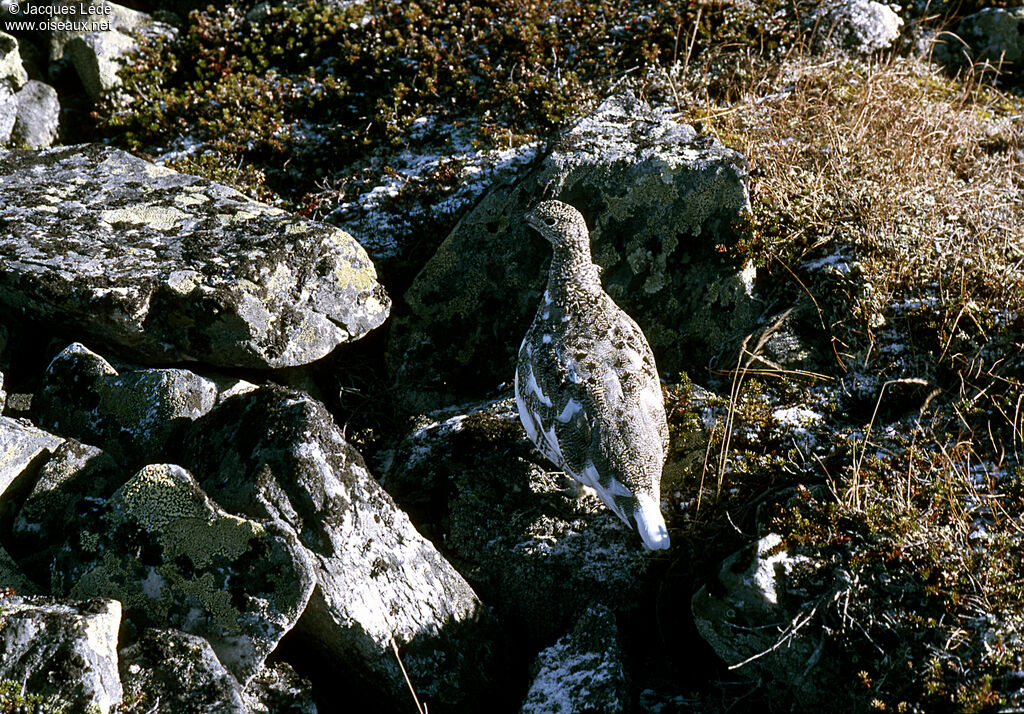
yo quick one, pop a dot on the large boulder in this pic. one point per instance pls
(100, 41)
(63, 649)
(38, 117)
(170, 267)
(660, 201)
(175, 559)
(11, 67)
(46, 518)
(276, 455)
(582, 672)
(994, 35)
(133, 416)
(533, 550)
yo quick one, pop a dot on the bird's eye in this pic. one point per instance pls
(549, 221)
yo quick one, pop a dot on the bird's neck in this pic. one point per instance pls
(572, 272)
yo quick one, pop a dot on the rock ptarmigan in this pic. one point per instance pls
(586, 384)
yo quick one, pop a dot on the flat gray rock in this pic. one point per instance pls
(64, 649)
(169, 267)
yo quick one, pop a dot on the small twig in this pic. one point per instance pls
(422, 709)
(789, 633)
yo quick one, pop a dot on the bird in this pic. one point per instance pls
(586, 382)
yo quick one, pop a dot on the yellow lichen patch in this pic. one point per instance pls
(230, 219)
(204, 539)
(191, 199)
(355, 270)
(183, 281)
(161, 218)
(214, 600)
(153, 498)
(156, 172)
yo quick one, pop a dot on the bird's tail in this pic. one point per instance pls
(650, 523)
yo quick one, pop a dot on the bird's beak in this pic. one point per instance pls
(532, 221)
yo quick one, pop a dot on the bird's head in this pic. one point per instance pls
(560, 223)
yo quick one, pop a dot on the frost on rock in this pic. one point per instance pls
(383, 220)
(582, 672)
(170, 267)
(658, 198)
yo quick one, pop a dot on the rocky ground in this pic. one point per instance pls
(263, 275)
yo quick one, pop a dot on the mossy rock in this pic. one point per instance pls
(660, 201)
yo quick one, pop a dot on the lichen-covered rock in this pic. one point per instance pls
(863, 26)
(11, 67)
(533, 551)
(170, 267)
(173, 672)
(38, 117)
(134, 416)
(169, 671)
(659, 200)
(3, 394)
(175, 559)
(755, 616)
(582, 672)
(23, 450)
(276, 455)
(67, 649)
(995, 35)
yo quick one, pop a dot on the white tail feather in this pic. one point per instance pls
(650, 523)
